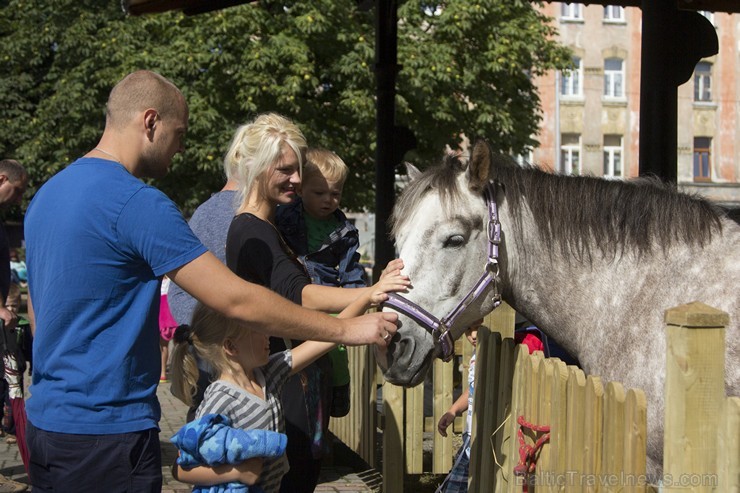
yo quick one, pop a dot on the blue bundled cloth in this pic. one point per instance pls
(211, 441)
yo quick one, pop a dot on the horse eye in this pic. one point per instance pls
(454, 241)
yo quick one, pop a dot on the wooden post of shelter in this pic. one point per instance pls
(694, 390)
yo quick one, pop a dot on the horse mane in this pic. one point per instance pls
(442, 177)
(580, 213)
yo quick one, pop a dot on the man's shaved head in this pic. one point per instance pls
(139, 91)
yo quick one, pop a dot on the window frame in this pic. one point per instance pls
(567, 152)
(568, 77)
(571, 12)
(610, 151)
(614, 79)
(703, 82)
(702, 149)
(610, 19)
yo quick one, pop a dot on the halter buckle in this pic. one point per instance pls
(446, 344)
(493, 268)
(494, 231)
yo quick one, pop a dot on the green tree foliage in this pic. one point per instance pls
(466, 70)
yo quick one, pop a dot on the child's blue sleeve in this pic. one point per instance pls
(211, 441)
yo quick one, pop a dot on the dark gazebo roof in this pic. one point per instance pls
(192, 7)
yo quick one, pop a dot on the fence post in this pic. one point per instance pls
(442, 398)
(694, 395)
(393, 444)
(484, 411)
(728, 446)
(413, 429)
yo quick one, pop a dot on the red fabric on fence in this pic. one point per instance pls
(530, 340)
(19, 415)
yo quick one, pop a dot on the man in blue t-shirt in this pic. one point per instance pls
(98, 242)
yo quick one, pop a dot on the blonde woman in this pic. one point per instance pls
(270, 152)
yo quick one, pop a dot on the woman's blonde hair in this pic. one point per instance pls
(205, 338)
(258, 145)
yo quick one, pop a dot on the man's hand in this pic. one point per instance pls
(372, 328)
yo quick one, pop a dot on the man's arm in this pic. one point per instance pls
(213, 284)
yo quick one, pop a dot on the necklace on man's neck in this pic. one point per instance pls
(107, 153)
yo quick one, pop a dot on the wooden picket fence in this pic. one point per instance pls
(590, 434)
(597, 431)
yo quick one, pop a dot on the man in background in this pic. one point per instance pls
(13, 182)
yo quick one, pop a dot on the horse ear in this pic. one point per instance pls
(480, 165)
(412, 171)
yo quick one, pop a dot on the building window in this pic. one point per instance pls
(613, 13)
(570, 154)
(703, 82)
(613, 156)
(702, 158)
(614, 78)
(571, 11)
(571, 82)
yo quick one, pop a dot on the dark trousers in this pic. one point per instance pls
(125, 462)
(303, 475)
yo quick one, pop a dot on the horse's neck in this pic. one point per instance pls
(572, 297)
(552, 290)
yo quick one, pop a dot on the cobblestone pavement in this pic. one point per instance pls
(333, 478)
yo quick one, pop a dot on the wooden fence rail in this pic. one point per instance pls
(597, 432)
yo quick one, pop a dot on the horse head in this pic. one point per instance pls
(439, 223)
(594, 263)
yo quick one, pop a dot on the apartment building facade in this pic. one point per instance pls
(591, 114)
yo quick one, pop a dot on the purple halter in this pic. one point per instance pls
(440, 329)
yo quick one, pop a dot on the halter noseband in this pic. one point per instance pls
(440, 329)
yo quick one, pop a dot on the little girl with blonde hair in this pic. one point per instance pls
(249, 379)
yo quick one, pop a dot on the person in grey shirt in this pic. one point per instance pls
(210, 223)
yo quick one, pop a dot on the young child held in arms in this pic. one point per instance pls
(326, 243)
(247, 389)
